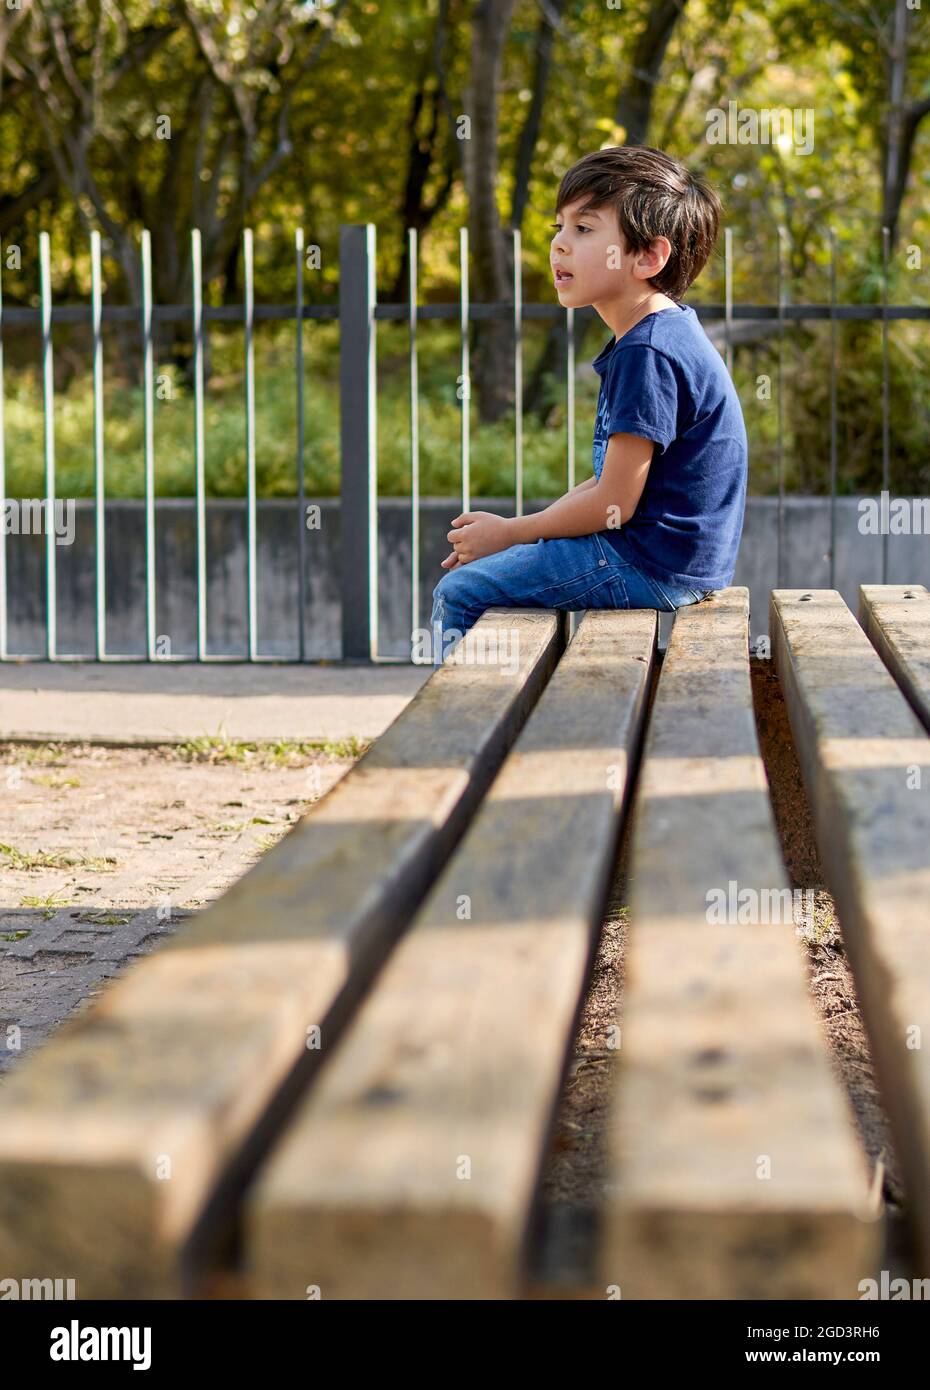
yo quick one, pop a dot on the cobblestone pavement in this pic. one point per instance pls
(105, 852)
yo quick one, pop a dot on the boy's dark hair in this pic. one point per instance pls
(653, 195)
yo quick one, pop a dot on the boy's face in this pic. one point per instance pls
(589, 248)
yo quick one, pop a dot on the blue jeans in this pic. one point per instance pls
(573, 572)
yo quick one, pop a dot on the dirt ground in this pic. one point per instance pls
(105, 851)
(98, 840)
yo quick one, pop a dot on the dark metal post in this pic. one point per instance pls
(358, 437)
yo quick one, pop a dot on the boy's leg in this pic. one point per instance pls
(569, 573)
(543, 574)
(576, 572)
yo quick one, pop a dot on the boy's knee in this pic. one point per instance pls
(450, 586)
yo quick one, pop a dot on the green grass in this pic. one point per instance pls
(27, 861)
(104, 918)
(219, 748)
(41, 753)
(492, 452)
(805, 405)
(49, 904)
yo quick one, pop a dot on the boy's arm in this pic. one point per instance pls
(598, 504)
(579, 487)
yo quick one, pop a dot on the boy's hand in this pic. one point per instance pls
(477, 534)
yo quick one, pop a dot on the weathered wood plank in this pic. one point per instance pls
(896, 619)
(408, 1171)
(865, 759)
(733, 1166)
(125, 1140)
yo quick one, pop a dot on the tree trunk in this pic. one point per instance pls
(414, 211)
(635, 102)
(634, 114)
(492, 369)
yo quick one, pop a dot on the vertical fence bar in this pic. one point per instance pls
(570, 394)
(149, 450)
(466, 368)
(249, 314)
(574, 618)
(886, 416)
(728, 297)
(412, 294)
(48, 404)
(782, 235)
(358, 507)
(99, 484)
(199, 461)
(3, 594)
(833, 375)
(301, 499)
(518, 368)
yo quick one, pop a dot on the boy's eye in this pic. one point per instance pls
(557, 227)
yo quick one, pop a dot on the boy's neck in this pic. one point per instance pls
(620, 318)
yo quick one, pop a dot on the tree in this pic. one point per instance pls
(167, 120)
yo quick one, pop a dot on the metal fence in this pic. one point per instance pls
(358, 312)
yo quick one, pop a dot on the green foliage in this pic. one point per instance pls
(353, 144)
(492, 458)
(806, 406)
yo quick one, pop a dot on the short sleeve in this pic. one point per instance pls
(642, 394)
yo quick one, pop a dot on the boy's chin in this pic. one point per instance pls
(571, 298)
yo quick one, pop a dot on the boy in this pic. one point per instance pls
(658, 524)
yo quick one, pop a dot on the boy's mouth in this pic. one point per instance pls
(561, 276)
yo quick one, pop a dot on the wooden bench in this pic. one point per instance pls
(409, 1171)
(865, 757)
(125, 1140)
(344, 1077)
(734, 1169)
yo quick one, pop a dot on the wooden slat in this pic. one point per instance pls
(409, 1169)
(896, 619)
(124, 1141)
(733, 1167)
(865, 759)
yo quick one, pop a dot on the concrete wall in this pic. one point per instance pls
(806, 564)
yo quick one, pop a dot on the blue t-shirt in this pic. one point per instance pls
(665, 380)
